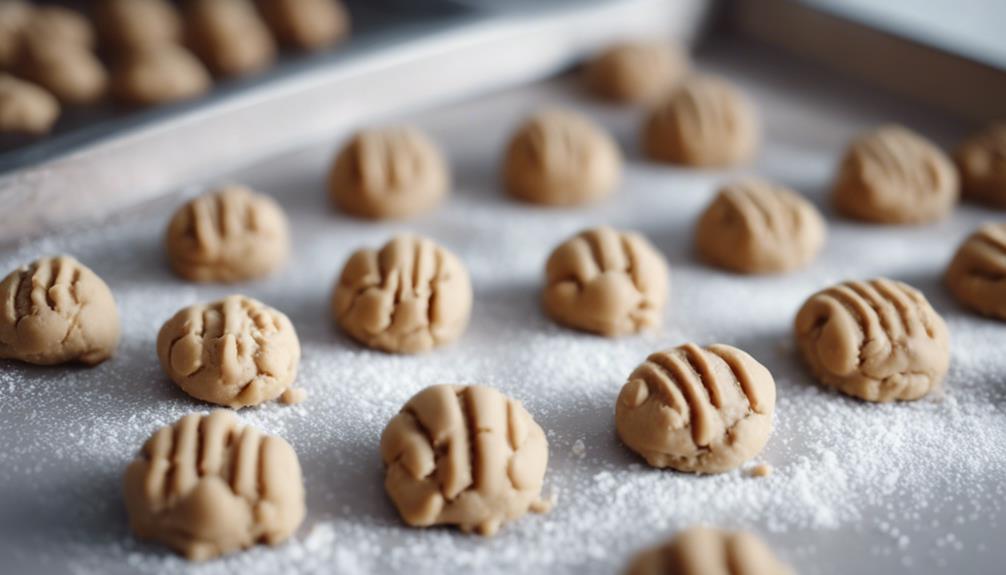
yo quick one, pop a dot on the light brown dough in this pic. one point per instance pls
(236, 352)
(229, 36)
(25, 108)
(306, 24)
(559, 157)
(755, 227)
(977, 274)
(388, 173)
(231, 234)
(208, 486)
(894, 176)
(877, 340)
(14, 18)
(56, 310)
(982, 164)
(57, 25)
(705, 551)
(158, 75)
(705, 121)
(697, 410)
(126, 25)
(411, 296)
(607, 282)
(466, 456)
(69, 71)
(636, 72)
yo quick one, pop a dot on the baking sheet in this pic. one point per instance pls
(856, 488)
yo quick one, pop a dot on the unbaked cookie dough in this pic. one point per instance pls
(636, 72)
(125, 25)
(69, 71)
(977, 274)
(57, 25)
(229, 235)
(388, 173)
(229, 36)
(559, 157)
(25, 108)
(697, 410)
(411, 296)
(705, 121)
(207, 486)
(158, 75)
(466, 456)
(705, 551)
(895, 176)
(982, 164)
(756, 227)
(607, 282)
(56, 310)
(306, 24)
(236, 352)
(14, 18)
(877, 340)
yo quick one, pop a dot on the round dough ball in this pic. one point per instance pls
(755, 227)
(388, 173)
(56, 310)
(306, 24)
(977, 274)
(126, 25)
(57, 25)
(229, 235)
(71, 72)
(559, 157)
(158, 75)
(705, 121)
(235, 352)
(705, 551)
(697, 410)
(607, 282)
(636, 72)
(229, 36)
(877, 340)
(14, 18)
(982, 164)
(25, 108)
(207, 486)
(411, 296)
(894, 176)
(466, 456)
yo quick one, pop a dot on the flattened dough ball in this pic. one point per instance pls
(25, 108)
(895, 176)
(705, 121)
(409, 297)
(977, 274)
(70, 72)
(559, 157)
(158, 75)
(388, 173)
(229, 36)
(207, 486)
(306, 24)
(56, 310)
(636, 72)
(697, 410)
(466, 456)
(755, 227)
(607, 282)
(705, 551)
(982, 164)
(125, 25)
(235, 352)
(231, 234)
(877, 340)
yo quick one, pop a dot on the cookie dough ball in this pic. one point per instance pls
(466, 456)
(306, 24)
(71, 72)
(229, 36)
(126, 25)
(14, 18)
(636, 72)
(25, 108)
(56, 310)
(207, 486)
(411, 296)
(388, 173)
(561, 158)
(159, 75)
(894, 176)
(236, 352)
(755, 227)
(607, 282)
(877, 340)
(705, 121)
(57, 25)
(231, 234)
(977, 274)
(705, 551)
(697, 410)
(982, 164)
